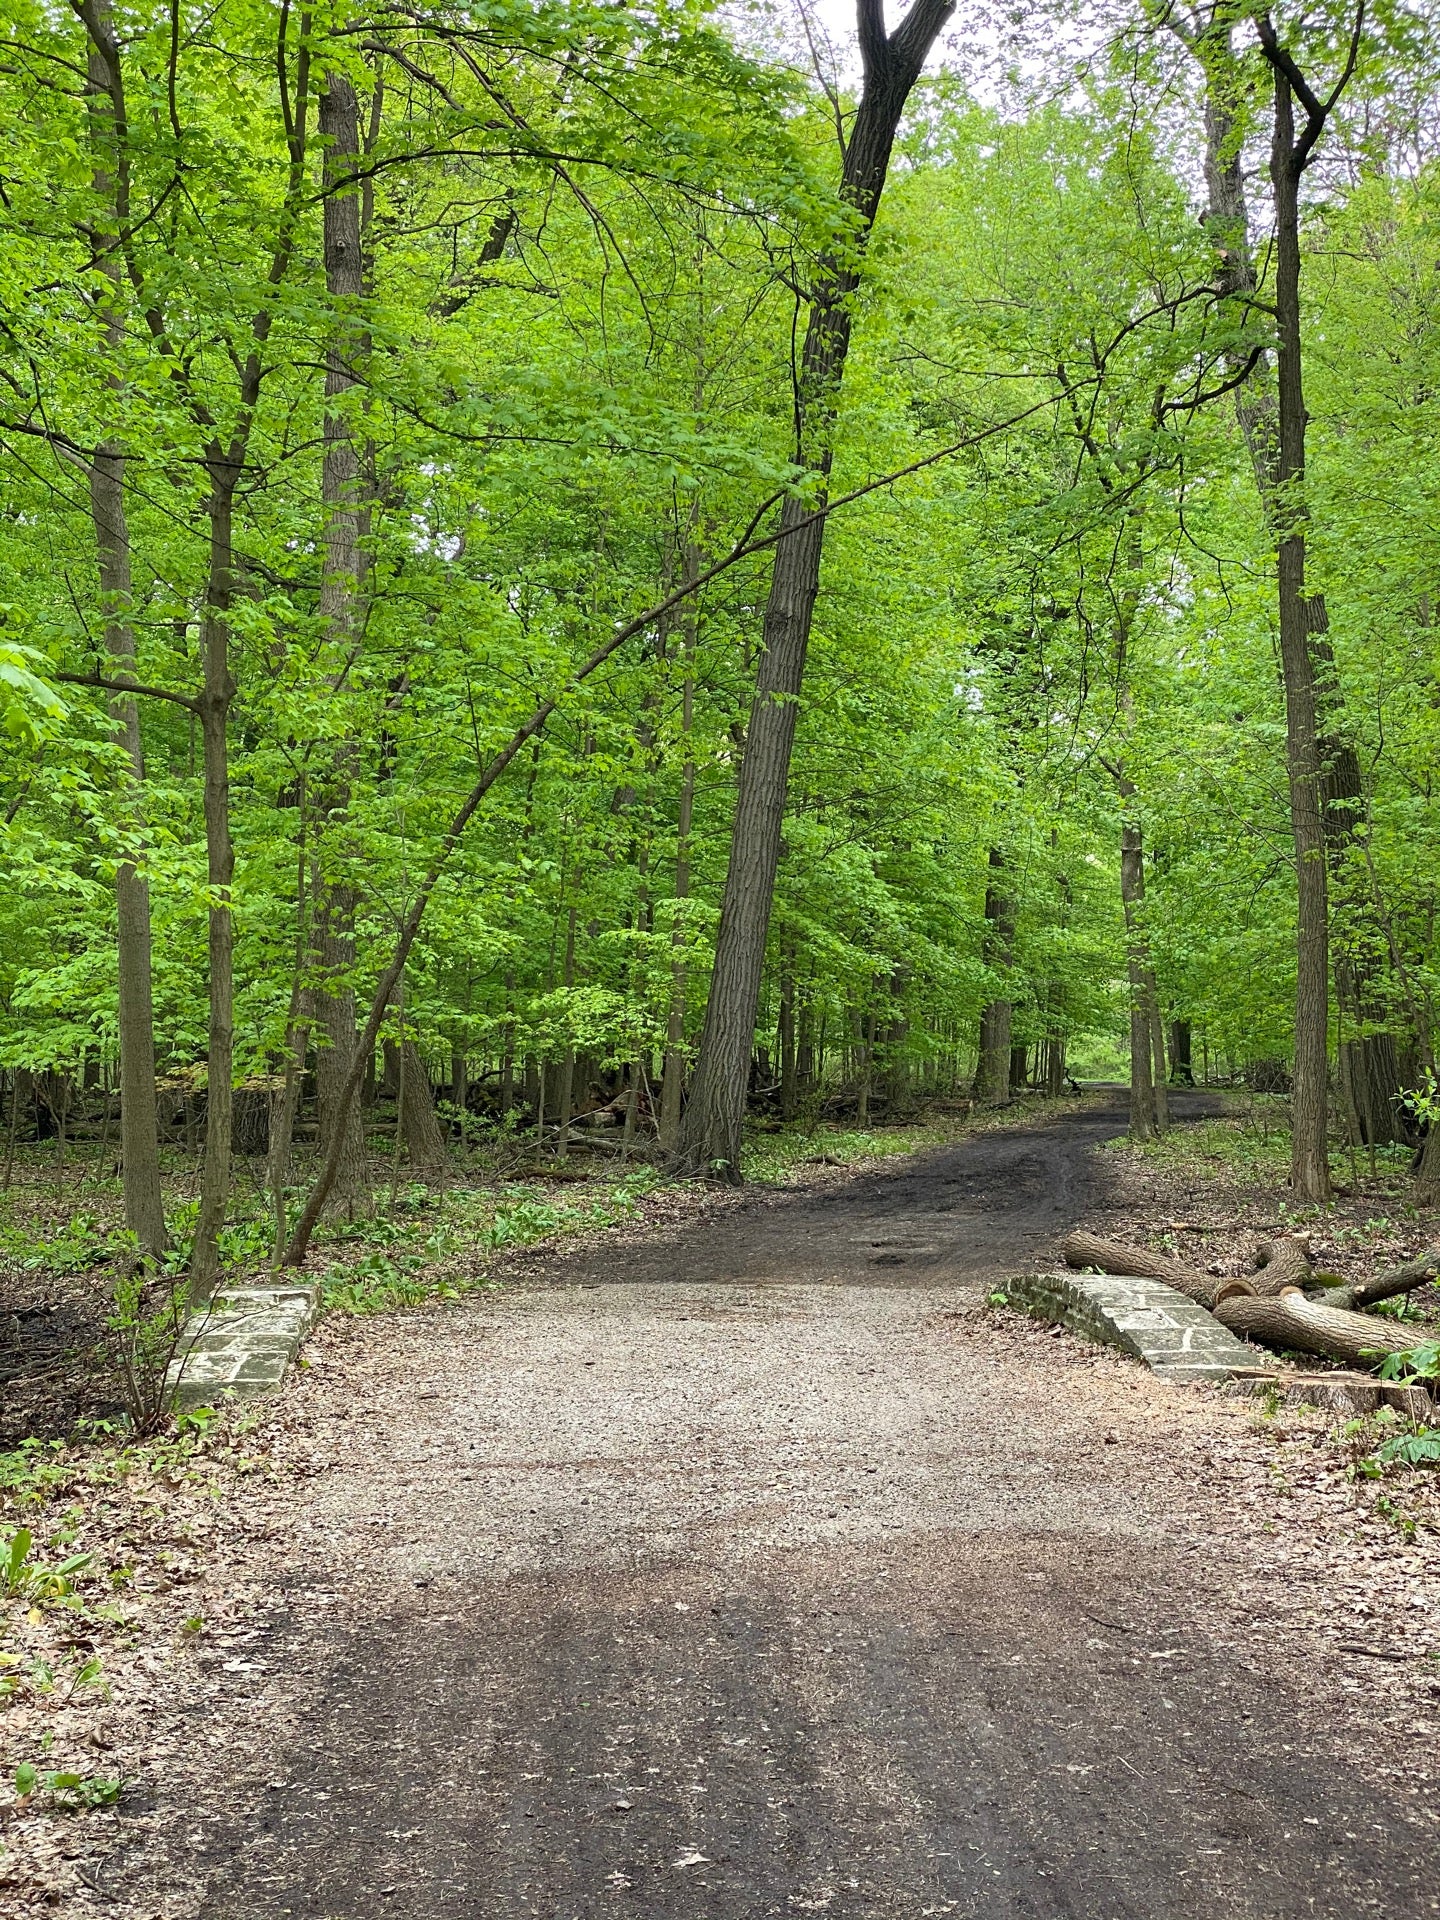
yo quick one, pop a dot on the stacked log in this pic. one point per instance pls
(1272, 1306)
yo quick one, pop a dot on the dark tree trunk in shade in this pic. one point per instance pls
(1182, 1070)
(711, 1129)
(992, 1068)
(218, 693)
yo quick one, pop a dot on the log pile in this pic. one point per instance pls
(1282, 1303)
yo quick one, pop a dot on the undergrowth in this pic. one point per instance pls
(439, 1248)
(1252, 1144)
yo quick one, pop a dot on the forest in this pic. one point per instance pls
(575, 574)
(719, 949)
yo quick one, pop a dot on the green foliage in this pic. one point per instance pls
(1421, 1362)
(67, 1791)
(23, 1575)
(143, 1336)
(422, 1264)
(573, 381)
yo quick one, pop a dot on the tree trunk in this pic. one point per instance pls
(789, 1085)
(416, 1118)
(805, 1047)
(215, 701)
(672, 1072)
(1087, 1250)
(1296, 1323)
(345, 521)
(1144, 1123)
(1402, 1279)
(334, 949)
(992, 1066)
(711, 1129)
(1427, 1174)
(1310, 1164)
(1182, 1070)
(139, 1126)
(282, 1119)
(1326, 786)
(865, 1033)
(1280, 1264)
(567, 1065)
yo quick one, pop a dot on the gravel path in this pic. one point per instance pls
(758, 1570)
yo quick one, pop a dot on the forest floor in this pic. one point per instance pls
(745, 1559)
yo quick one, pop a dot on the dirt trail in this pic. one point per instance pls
(758, 1571)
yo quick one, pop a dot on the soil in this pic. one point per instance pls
(758, 1567)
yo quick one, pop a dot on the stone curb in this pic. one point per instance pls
(242, 1345)
(1176, 1337)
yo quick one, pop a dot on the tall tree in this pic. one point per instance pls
(139, 1133)
(1291, 153)
(343, 615)
(712, 1126)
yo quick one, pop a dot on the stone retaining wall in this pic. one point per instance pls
(242, 1344)
(1175, 1336)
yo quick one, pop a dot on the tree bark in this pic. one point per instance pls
(1293, 1321)
(282, 1117)
(215, 700)
(713, 1123)
(1395, 1280)
(139, 1124)
(1080, 1249)
(1144, 1120)
(1310, 1163)
(416, 1120)
(785, 1041)
(992, 1065)
(1182, 1069)
(1325, 776)
(341, 1123)
(672, 1072)
(345, 519)
(1280, 1264)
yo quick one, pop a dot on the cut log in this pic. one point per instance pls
(1332, 1392)
(1281, 1263)
(1300, 1324)
(1079, 1249)
(1401, 1279)
(1414, 1402)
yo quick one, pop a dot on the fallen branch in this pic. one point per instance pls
(1082, 1250)
(1281, 1263)
(1402, 1279)
(1279, 1316)
(1300, 1324)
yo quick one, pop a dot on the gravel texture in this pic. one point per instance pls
(756, 1567)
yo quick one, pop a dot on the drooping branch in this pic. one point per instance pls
(188, 701)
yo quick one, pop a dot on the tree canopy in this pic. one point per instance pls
(401, 413)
